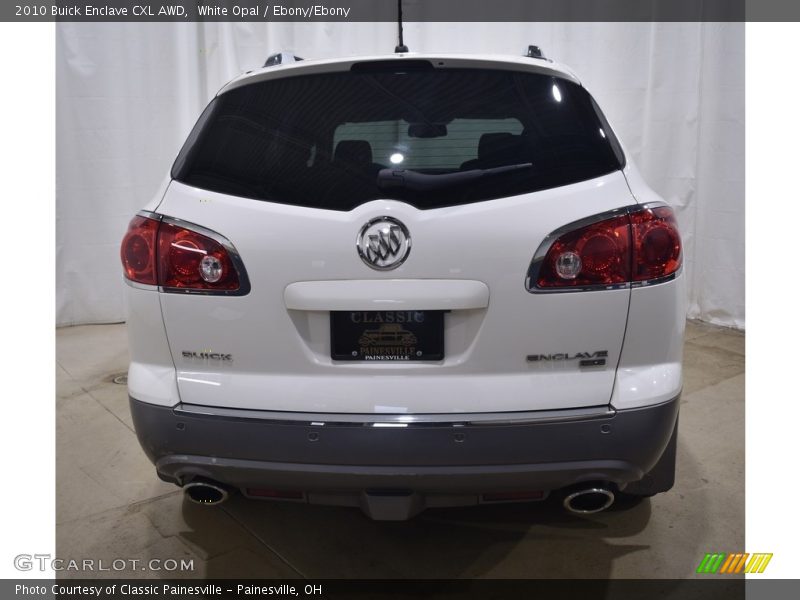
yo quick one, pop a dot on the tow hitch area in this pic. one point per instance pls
(391, 505)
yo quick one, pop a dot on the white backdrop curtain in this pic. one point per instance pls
(128, 94)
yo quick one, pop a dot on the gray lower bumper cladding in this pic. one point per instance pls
(445, 459)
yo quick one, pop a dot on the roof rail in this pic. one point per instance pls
(281, 58)
(536, 52)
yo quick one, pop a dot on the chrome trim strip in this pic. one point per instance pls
(566, 290)
(656, 204)
(649, 282)
(149, 215)
(544, 247)
(398, 420)
(140, 286)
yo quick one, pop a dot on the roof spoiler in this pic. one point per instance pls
(281, 58)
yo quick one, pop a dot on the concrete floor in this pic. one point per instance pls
(111, 505)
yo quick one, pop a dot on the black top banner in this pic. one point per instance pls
(413, 10)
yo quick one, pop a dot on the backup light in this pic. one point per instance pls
(211, 269)
(568, 265)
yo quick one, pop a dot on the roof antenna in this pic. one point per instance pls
(401, 47)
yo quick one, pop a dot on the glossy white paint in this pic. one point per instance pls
(151, 375)
(642, 193)
(281, 357)
(471, 260)
(387, 294)
(650, 366)
(451, 61)
(159, 195)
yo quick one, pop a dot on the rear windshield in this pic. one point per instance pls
(432, 138)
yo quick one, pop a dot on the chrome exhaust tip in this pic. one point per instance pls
(589, 500)
(205, 493)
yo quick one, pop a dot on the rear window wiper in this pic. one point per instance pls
(424, 182)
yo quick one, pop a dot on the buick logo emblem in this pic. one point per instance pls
(383, 243)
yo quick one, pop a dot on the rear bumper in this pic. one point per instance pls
(429, 456)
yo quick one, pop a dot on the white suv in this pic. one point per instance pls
(406, 281)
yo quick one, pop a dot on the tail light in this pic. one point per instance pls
(180, 258)
(190, 260)
(138, 251)
(656, 243)
(640, 245)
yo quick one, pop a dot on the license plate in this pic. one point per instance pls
(387, 335)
